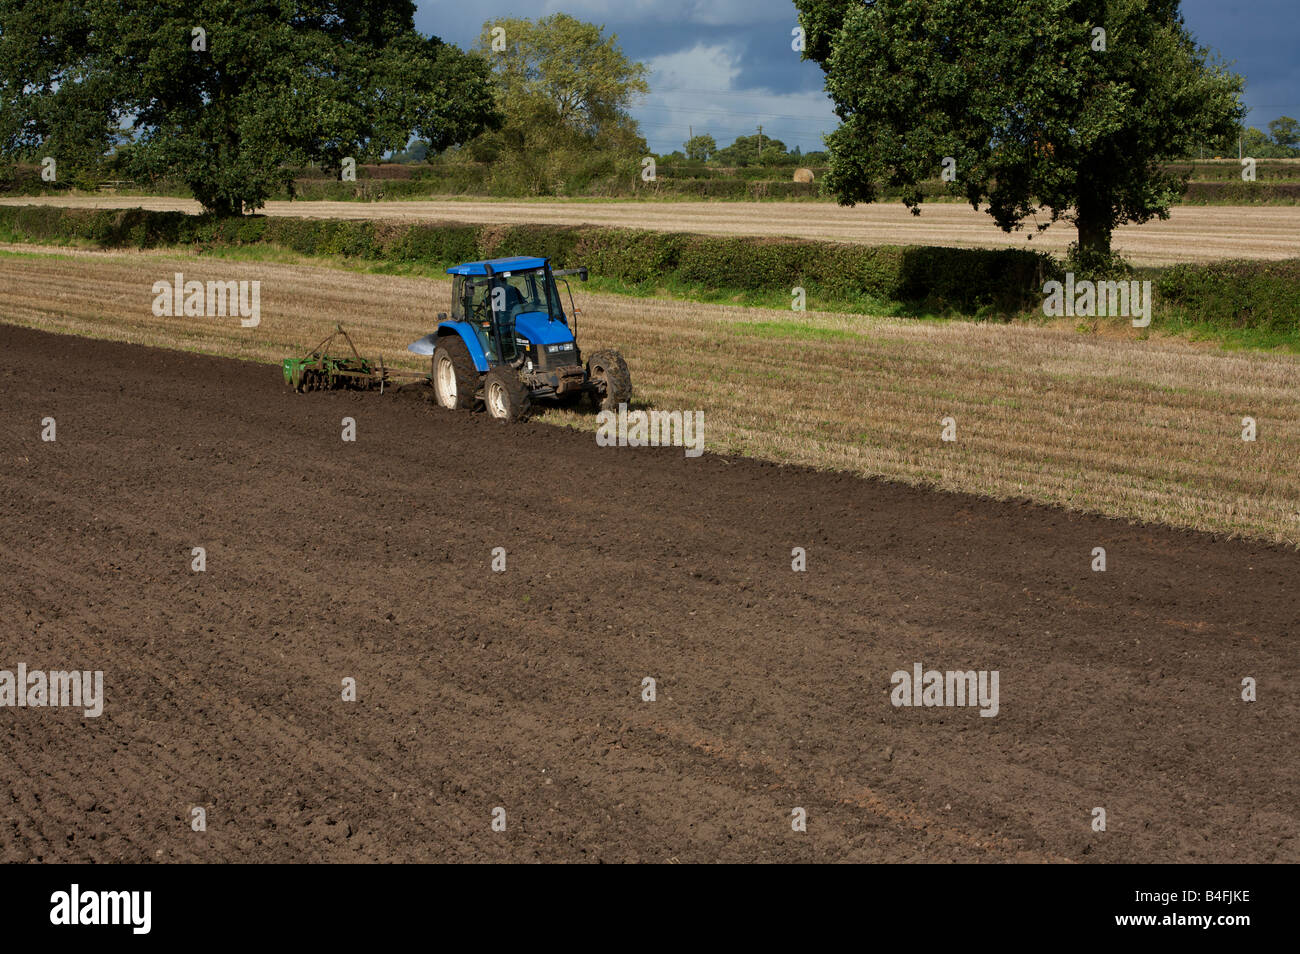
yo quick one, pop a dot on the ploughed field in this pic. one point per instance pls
(1190, 234)
(522, 690)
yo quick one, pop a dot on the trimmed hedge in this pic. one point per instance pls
(1261, 296)
(23, 180)
(1229, 170)
(1241, 193)
(1258, 296)
(947, 279)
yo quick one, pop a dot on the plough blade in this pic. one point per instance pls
(424, 345)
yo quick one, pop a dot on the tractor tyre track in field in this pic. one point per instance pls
(522, 689)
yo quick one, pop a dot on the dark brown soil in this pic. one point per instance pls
(522, 689)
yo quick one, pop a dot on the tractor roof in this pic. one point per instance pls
(519, 263)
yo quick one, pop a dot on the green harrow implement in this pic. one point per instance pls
(320, 370)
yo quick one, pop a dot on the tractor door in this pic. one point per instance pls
(486, 306)
(503, 303)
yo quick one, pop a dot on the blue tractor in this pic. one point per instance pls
(508, 342)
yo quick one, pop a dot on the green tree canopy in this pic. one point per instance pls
(1036, 108)
(418, 151)
(566, 67)
(752, 150)
(1258, 145)
(564, 88)
(1285, 132)
(700, 147)
(264, 87)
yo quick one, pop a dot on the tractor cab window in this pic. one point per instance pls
(458, 308)
(478, 294)
(531, 292)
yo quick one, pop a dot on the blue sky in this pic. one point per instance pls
(725, 66)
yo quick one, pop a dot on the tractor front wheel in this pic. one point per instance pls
(505, 395)
(608, 371)
(455, 379)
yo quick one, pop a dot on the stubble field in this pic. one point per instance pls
(1191, 234)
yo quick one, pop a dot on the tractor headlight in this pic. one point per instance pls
(557, 348)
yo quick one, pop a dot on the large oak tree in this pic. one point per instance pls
(1040, 112)
(265, 86)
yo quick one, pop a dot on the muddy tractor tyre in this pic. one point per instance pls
(608, 371)
(505, 395)
(455, 379)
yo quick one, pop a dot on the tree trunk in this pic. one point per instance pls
(1093, 221)
(224, 208)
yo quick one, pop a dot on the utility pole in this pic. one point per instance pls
(760, 141)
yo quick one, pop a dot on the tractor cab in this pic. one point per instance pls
(494, 296)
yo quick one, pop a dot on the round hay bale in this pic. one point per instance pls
(803, 175)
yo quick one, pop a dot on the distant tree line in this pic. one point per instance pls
(755, 150)
(1282, 141)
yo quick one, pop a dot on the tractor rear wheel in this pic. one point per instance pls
(608, 371)
(455, 379)
(505, 395)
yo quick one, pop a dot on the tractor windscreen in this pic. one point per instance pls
(531, 291)
(492, 303)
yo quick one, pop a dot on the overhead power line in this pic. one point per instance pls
(731, 112)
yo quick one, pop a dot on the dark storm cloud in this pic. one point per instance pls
(725, 66)
(722, 67)
(1263, 37)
